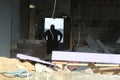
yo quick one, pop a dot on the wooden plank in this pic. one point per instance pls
(85, 64)
(74, 59)
(86, 57)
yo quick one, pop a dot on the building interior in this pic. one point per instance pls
(89, 25)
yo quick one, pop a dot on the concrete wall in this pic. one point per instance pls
(5, 27)
(9, 25)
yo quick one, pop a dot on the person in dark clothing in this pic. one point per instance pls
(51, 36)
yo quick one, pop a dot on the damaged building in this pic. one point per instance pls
(91, 23)
(90, 26)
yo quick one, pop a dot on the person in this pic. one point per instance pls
(53, 38)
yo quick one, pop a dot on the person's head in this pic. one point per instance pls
(52, 27)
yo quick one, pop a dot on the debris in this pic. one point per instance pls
(118, 41)
(85, 57)
(31, 58)
(43, 72)
(102, 47)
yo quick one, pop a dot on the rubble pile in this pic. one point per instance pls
(44, 72)
(13, 64)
